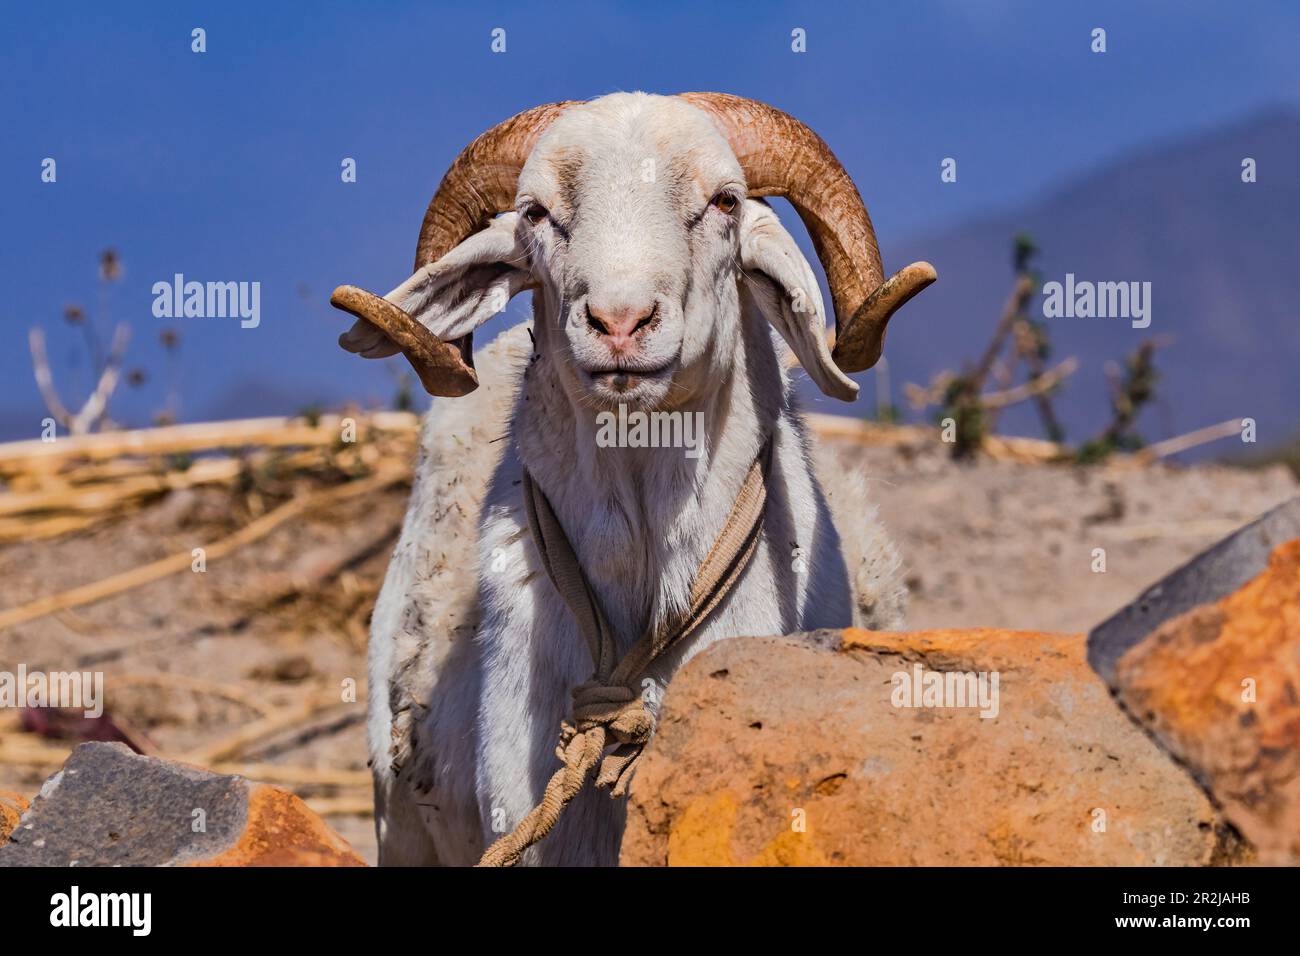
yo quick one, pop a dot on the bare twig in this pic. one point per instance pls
(1035, 386)
(45, 379)
(96, 405)
(1030, 343)
(920, 398)
(1020, 295)
(1172, 446)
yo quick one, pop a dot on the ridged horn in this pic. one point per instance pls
(781, 156)
(479, 184)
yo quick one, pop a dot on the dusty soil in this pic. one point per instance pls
(991, 543)
(1000, 544)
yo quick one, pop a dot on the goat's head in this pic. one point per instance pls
(630, 215)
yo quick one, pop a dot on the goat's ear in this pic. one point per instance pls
(458, 293)
(785, 289)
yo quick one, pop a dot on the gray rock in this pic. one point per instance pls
(1210, 576)
(109, 806)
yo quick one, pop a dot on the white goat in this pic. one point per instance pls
(657, 283)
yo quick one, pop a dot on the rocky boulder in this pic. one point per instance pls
(109, 806)
(1219, 687)
(845, 748)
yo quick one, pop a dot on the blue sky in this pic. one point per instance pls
(225, 165)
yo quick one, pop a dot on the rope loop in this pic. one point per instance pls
(605, 710)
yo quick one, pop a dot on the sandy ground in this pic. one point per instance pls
(1011, 545)
(985, 544)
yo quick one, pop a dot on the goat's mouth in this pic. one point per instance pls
(636, 385)
(621, 379)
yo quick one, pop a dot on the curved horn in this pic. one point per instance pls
(782, 157)
(479, 184)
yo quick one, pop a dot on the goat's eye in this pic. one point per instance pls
(535, 213)
(726, 202)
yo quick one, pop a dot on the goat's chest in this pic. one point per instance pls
(640, 563)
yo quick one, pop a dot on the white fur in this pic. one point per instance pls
(473, 654)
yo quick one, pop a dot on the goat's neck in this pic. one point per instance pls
(641, 520)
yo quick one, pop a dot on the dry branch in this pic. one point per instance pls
(1015, 304)
(259, 730)
(96, 405)
(999, 447)
(107, 496)
(157, 570)
(1172, 446)
(25, 529)
(200, 436)
(919, 397)
(45, 378)
(1035, 386)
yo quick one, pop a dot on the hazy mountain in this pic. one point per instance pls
(1222, 257)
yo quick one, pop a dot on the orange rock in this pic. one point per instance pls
(12, 806)
(1219, 686)
(791, 752)
(702, 837)
(283, 831)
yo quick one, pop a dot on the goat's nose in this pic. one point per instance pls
(620, 325)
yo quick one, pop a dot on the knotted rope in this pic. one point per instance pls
(608, 707)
